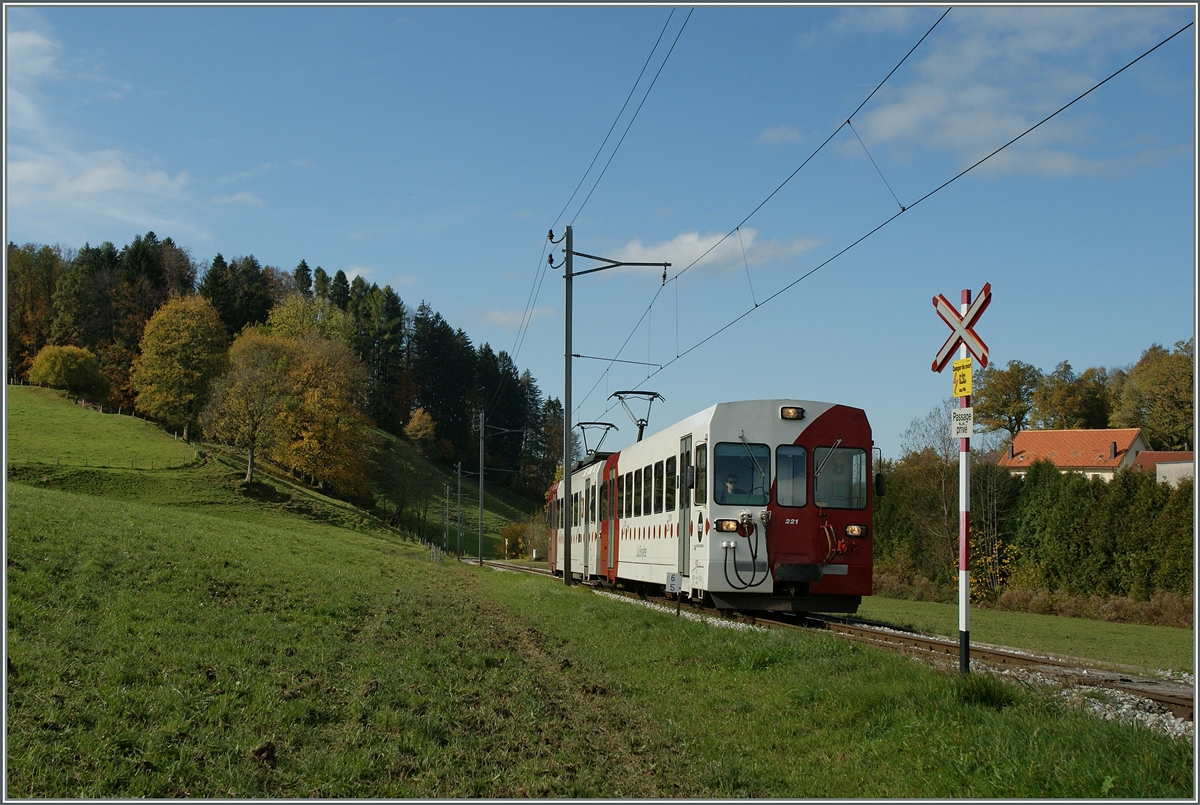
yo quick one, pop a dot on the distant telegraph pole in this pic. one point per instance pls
(962, 422)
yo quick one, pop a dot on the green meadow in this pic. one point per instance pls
(171, 633)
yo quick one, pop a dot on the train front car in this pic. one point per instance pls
(783, 493)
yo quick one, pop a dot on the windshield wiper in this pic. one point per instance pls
(761, 474)
(825, 460)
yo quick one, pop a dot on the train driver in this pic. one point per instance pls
(731, 488)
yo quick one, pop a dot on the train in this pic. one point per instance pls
(755, 505)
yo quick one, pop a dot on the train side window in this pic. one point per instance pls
(591, 505)
(791, 475)
(658, 487)
(574, 509)
(647, 489)
(701, 474)
(669, 505)
(627, 482)
(637, 493)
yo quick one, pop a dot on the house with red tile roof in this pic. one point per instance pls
(1168, 466)
(1093, 452)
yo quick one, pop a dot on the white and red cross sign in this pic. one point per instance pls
(961, 327)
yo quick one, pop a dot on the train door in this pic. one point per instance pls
(611, 523)
(589, 519)
(684, 498)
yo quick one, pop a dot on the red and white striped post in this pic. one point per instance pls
(964, 523)
(968, 342)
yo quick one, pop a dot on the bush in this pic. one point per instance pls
(71, 368)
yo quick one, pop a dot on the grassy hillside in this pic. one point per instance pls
(170, 635)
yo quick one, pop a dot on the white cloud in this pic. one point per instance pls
(988, 74)
(713, 253)
(53, 184)
(779, 134)
(29, 56)
(66, 177)
(244, 197)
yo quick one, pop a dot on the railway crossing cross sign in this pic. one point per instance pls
(961, 327)
(963, 338)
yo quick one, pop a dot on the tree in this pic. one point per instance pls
(245, 402)
(326, 434)
(1003, 398)
(1157, 396)
(239, 290)
(179, 269)
(421, 430)
(381, 335)
(182, 350)
(72, 368)
(33, 273)
(1063, 400)
(303, 277)
(298, 316)
(320, 283)
(280, 284)
(441, 364)
(339, 290)
(217, 287)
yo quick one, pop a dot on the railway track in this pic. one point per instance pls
(1176, 697)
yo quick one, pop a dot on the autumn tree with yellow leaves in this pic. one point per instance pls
(182, 350)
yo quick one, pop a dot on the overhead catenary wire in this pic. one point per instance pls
(937, 189)
(635, 114)
(763, 202)
(540, 273)
(926, 196)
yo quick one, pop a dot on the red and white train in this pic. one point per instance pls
(757, 505)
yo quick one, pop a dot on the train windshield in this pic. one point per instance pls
(840, 478)
(741, 473)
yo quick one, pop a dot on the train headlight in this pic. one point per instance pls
(856, 531)
(728, 526)
(791, 412)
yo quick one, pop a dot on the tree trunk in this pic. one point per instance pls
(185, 432)
(250, 466)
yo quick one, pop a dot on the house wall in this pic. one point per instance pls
(1172, 472)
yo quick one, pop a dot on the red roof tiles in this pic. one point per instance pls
(1073, 449)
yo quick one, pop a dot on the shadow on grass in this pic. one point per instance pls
(265, 493)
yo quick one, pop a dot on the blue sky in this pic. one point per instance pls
(431, 149)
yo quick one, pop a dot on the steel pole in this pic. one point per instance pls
(568, 511)
(481, 488)
(460, 534)
(964, 525)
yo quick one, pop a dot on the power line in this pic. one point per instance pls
(769, 196)
(614, 123)
(539, 275)
(940, 187)
(635, 114)
(814, 153)
(896, 215)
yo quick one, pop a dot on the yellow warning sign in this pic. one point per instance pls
(962, 377)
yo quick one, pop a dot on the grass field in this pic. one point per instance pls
(1151, 648)
(171, 636)
(44, 428)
